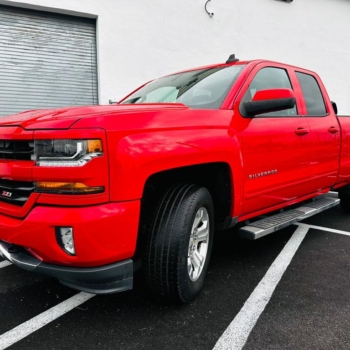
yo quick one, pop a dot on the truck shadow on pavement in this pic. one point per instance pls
(136, 320)
(133, 320)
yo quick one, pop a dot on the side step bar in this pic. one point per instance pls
(276, 222)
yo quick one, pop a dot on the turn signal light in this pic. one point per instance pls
(66, 188)
(94, 146)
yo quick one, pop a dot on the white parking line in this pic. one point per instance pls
(238, 331)
(323, 229)
(37, 322)
(4, 264)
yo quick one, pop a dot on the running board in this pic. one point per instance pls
(276, 222)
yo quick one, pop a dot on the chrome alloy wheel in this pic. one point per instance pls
(198, 246)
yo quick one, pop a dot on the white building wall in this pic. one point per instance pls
(139, 40)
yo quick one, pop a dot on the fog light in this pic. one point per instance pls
(65, 239)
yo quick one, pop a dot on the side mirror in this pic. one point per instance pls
(265, 101)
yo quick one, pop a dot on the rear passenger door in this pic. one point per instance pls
(324, 132)
(276, 147)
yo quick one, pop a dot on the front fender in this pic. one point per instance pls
(138, 156)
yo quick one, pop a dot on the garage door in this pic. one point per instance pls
(46, 60)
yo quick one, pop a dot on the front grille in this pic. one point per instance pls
(19, 150)
(15, 192)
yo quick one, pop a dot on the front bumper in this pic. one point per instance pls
(103, 234)
(106, 279)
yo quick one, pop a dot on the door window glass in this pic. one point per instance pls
(312, 94)
(270, 78)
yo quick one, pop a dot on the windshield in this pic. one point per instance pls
(204, 88)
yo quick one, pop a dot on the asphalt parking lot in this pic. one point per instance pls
(307, 308)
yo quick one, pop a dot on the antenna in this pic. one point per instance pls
(232, 58)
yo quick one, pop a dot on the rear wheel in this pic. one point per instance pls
(180, 238)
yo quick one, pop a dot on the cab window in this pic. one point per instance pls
(312, 94)
(270, 78)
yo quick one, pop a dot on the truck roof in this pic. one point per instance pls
(238, 63)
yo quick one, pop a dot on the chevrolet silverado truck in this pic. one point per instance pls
(89, 195)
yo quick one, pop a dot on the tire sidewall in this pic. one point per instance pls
(192, 288)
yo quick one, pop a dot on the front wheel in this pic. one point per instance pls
(180, 239)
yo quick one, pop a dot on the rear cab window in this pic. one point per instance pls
(314, 102)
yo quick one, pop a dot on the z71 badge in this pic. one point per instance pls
(6, 194)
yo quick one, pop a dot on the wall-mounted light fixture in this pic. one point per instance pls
(210, 14)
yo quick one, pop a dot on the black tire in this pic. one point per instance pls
(166, 255)
(345, 201)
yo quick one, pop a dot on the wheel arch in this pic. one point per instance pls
(216, 177)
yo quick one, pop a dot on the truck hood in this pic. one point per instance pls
(64, 118)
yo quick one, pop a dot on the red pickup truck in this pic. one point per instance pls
(89, 195)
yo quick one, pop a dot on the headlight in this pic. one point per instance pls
(66, 153)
